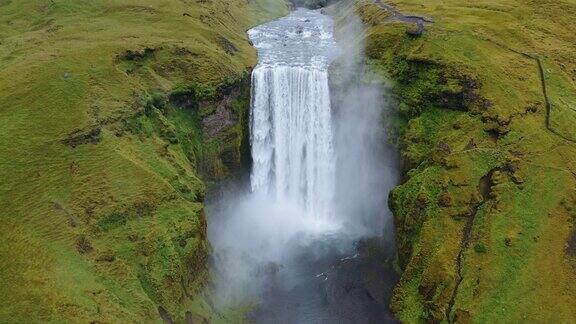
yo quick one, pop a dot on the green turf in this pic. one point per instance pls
(474, 112)
(101, 197)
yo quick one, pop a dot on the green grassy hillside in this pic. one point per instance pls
(485, 214)
(110, 111)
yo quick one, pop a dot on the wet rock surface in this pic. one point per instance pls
(311, 4)
(340, 287)
(359, 288)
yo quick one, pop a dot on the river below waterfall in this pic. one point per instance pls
(309, 239)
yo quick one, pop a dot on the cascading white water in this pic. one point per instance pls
(317, 180)
(291, 118)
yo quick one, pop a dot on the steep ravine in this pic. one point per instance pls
(120, 123)
(321, 263)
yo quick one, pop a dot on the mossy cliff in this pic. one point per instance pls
(113, 115)
(485, 213)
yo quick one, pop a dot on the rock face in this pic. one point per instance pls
(223, 122)
(312, 4)
(417, 30)
(221, 119)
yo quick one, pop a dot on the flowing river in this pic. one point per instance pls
(309, 241)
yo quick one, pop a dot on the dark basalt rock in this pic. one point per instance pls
(83, 245)
(184, 98)
(137, 55)
(227, 46)
(223, 117)
(107, 256)
(80, 137)
(417, 30)
(312, 4)
(165, 315)
(443, 147)
(571, 246)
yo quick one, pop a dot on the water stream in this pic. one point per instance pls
(308, 241)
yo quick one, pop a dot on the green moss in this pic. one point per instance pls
(470, 94)
(480, 248)
(133, 192)
(112, 220)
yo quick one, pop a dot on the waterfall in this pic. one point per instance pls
(291, 118)
(292, 136)
(317, 182)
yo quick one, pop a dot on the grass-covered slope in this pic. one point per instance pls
(487, 103)
(110, 110)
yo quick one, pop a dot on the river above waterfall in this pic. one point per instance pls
(308, 240)
(303, 38)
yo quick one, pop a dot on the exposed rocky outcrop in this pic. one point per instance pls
(223, 122)
(80, 137)
(311, 4)
(227, 45)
